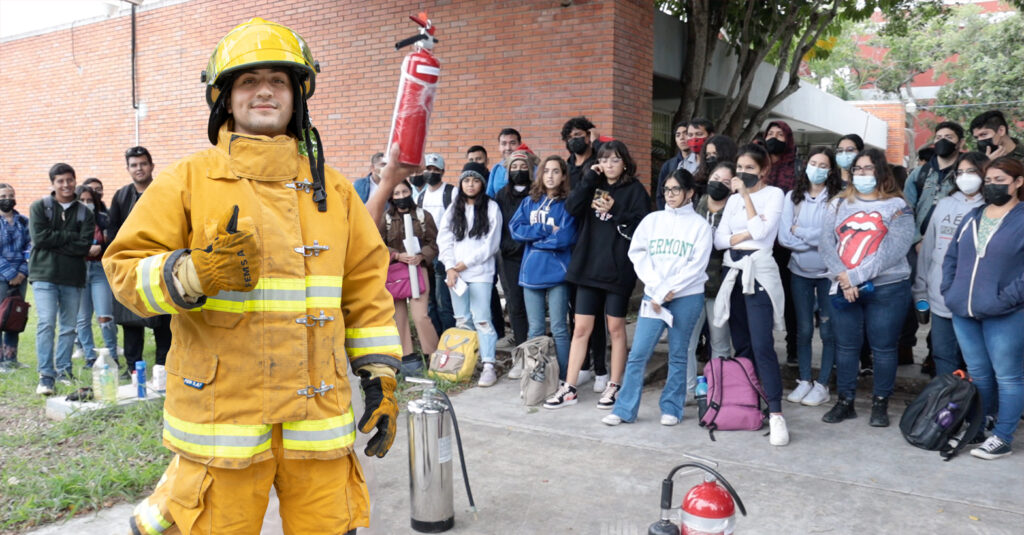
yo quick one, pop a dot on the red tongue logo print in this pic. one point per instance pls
(859, 237)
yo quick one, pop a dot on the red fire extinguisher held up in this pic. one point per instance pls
(416, 90)
(707, 509)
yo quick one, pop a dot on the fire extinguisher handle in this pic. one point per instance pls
(410, 40)
(668, 482)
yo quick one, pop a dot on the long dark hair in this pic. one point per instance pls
(481, 205)
(833, 183)
(618, 148)
(725, 151)
(884, 179)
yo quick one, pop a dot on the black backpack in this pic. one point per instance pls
(921, 423)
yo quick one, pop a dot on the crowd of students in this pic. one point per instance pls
(743, 241)
(57, 249)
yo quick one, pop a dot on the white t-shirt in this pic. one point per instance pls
(433, 202)
(764, 227)
(373, 187)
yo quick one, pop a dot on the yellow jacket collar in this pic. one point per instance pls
(258, 157)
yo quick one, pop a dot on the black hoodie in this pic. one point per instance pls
(509, 200)
(601, 258)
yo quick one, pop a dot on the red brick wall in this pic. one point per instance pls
(526, 64)
(894, 115)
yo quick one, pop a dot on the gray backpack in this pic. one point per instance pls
(540, 369)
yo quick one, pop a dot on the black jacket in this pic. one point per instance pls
(508, 201)
(601, 258)
(120, 206)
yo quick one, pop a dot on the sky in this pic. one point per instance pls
(21, 16)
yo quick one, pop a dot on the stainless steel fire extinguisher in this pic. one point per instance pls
(431, 497)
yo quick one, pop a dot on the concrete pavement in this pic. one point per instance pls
(535, 471)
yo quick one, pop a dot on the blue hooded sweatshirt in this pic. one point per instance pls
(546, 254)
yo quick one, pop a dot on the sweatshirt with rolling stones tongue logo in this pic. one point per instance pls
(868, 239)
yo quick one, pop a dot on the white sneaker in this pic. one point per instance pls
(584, 377)
(516, 372)
(668, 419)
(77, 353)
(488, 377)
(778, 433)
(798, 393)
(611, 419)
(159, 378)
(817, 395)
(600, 383)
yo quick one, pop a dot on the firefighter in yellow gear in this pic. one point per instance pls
(274, 273)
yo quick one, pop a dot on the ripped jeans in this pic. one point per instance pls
(805, 293)
(472, 310)
(96, 297)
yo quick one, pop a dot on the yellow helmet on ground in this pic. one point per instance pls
(259, 43)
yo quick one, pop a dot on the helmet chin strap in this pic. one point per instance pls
(303, 127)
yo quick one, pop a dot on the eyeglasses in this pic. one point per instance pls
(674, 190)
(866, 168)
(613, 161)
(970, 171)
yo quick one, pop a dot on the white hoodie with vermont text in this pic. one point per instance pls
(670, 252)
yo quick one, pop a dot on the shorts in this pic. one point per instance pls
(589, 301)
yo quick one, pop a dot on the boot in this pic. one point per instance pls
(842, 410)
(879, 412)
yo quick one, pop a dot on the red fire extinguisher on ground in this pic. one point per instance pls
(707, 509)
(416, 90)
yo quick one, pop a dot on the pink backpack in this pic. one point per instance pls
(734, 396)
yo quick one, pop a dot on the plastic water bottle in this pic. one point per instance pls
(104, 377)
(140, 374)
(946, 416)
(839, 301)
(701, 395)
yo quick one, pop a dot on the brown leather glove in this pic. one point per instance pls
(231, 262)
(381, 412)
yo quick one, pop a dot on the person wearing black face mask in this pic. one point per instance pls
(710, 208)
(392, 230)
(934, 180)
(521, 165)
(981, 285)
(15, 245)
(435, 197)
(577, 134)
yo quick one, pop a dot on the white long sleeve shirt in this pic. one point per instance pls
(763, 227)
(476, 253)
(670, 250)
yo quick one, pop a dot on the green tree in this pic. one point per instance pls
(988, 72)
(782, 33)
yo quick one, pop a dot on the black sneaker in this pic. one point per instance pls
(565, 396)
(842, 410)
(879, 412)
(993, 448)
(607, 400)
(792, 361)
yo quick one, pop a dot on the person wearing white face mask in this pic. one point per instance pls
(865, 236)
(799, 231)
(941, 230)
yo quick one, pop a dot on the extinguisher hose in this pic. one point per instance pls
(666, 485)
(462, 456)
(410, 40)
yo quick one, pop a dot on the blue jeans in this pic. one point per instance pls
(473, 311)
(555, 300)
(751, 320)
(686, 312)
(53, 300)
(882, 313)
(10, 338)
(944, 346)
(96, 296)
(992, 348)
(439, 308)
(805, 293)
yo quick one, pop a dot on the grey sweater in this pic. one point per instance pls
(867, 239)
(941, 230)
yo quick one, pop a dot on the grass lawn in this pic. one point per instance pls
(51, 470)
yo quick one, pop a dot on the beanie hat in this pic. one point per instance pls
(476, 170)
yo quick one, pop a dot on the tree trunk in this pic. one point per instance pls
(704, 20)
